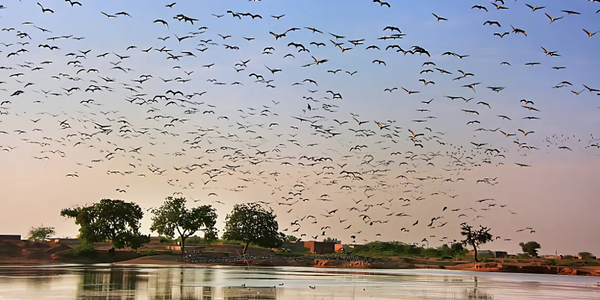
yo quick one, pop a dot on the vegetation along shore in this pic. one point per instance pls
(110, 233)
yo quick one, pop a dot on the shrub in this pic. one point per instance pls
(85, 250)
(586, 255)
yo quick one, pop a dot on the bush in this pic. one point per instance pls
(586, 255)
(85, 250)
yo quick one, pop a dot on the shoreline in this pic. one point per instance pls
(176, 260)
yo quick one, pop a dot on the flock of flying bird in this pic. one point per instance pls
(351, 171)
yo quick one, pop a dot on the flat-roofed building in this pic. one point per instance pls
(10, 238)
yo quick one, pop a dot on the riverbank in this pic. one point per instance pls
(26, 253)
(124, 258)
(511, 267)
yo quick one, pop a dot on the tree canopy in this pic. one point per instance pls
(395, 248)
(38, 234)
(251, 223)
(475, 237)
(174, 218)
(114, 220)
(585, 255)
(530, 248)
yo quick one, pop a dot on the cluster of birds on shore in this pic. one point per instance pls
(353, 171)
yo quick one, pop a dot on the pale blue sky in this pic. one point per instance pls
(40, 186)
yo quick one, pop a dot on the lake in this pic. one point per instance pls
(228, 283)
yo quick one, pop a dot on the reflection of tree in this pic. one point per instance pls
(167, 283)
(207, 293)
(248, 293)
(116, 282)
(477, 294)
(188, 281)
(38, 282)
(160, 288)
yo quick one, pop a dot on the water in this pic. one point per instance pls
(227, 283)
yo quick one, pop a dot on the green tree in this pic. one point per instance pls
(38, 234)
(174, 218)
(530, 248)
(475, 237)
(457, 248)
(251, 223)
(290, 238)
(585, 255)
(114, 220)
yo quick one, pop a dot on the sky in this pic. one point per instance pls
(255, 144)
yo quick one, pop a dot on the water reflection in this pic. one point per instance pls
(109, 283)
(476, 293)
(220, 283)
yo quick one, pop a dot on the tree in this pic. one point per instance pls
(530, 248)
(585, 255)
(114, 220)
(38, 234)
(173, 217)
(474, 237)
(457, 248)
(251, 223)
